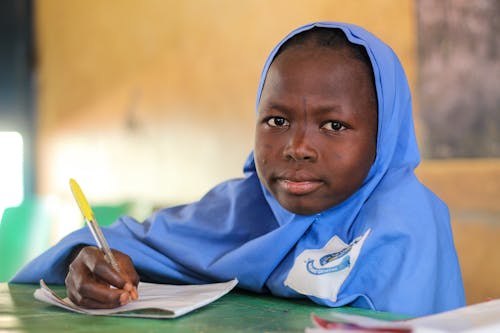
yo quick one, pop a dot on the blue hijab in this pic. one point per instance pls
(387, 247)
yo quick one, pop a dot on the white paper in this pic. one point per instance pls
(155, 300)
(477, 318)
(482, 317)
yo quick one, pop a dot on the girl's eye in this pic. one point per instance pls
(277, 122)
(334, 126)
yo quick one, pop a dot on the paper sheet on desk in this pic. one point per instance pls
(155, 300)
(477, 318)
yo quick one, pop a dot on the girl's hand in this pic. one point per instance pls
(93, 283)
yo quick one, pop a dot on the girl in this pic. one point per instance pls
(329, 207)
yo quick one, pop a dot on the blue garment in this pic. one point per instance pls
(387, 247)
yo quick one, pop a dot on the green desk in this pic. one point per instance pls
(238, 311)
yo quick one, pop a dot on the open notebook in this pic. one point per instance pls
(477, 318)
(155, 300)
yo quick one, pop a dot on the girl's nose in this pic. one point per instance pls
(299, 147)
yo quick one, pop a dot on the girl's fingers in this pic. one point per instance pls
(94, 259)
(127, 269)
(103, 294)
(93, 304)
(91, 279)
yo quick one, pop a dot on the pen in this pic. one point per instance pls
(89, 217)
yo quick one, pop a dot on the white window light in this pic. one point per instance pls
(11, 170)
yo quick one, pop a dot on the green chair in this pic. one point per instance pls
(107, 214)
(24, 234)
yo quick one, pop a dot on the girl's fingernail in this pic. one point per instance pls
(128, 286)
(134, 293)
(124, 298)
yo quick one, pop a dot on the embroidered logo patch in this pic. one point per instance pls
(321, 272)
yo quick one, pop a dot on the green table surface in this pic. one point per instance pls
(238, 311)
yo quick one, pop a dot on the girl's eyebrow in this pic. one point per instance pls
(328, 109)
(321, 111)
(273, 106)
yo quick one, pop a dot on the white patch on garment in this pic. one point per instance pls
(321, 272)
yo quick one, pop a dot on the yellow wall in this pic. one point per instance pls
(471, 188)
(155, 99)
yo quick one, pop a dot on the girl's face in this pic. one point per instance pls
(316, 128)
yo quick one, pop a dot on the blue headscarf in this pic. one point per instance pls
(387, 247)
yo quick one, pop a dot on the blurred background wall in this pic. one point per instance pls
(152, 102)
(161, 93)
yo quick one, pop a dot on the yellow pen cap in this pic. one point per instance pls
(82, 202)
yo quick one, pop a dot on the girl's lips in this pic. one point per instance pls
(302, 187)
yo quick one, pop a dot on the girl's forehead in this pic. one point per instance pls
(324, 69)
(316, 56)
